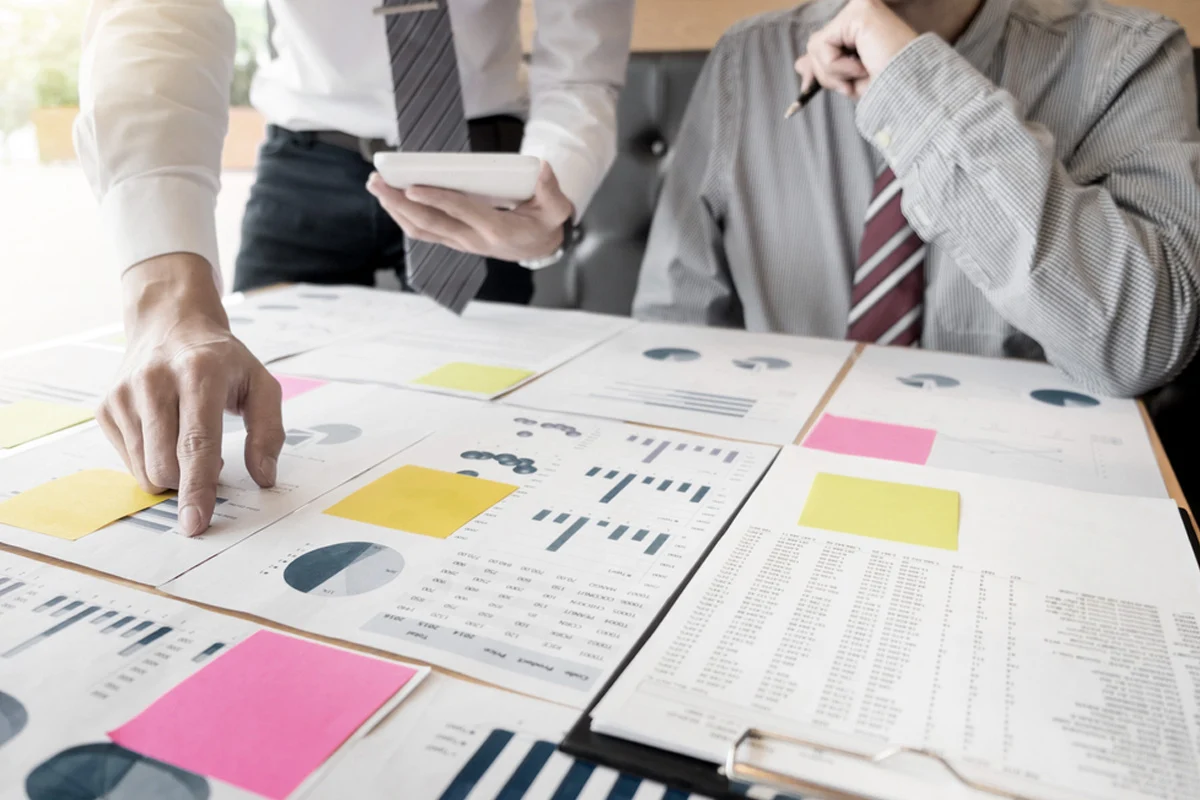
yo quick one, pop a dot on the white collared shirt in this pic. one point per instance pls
(154, 95)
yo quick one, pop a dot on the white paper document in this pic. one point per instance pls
(490, 349)
(283, 322)
(542, 588)
(1050, 648)
(334, 432)
(1004, 417)
(66, 374)
(460, 740)
(760, 387)
(79, 657)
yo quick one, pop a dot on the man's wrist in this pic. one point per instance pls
(165, 289)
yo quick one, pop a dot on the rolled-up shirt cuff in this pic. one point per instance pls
(915, 100)
(151, 216)
(578, 175)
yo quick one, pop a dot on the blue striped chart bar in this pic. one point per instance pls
(648, 479)
(46, 634)
(642, 534)
(514, 763)
(477, 765)
(657, 544)
(612, 473)
(699, 495)
(618, 488)
(524, 776)
(683, 487)
(541, 515)
(618, 532)
(576, 526)
(146, 641)
(683, 399)
(51, 603)
(12, 587)
(656, 452)
(105, 617)
(208, 652)
(561, 518)
(662, 487)
(136, 629)
(593, 472)
(730, 456)
(121, 623)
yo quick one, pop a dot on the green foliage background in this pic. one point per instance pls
(41, 42)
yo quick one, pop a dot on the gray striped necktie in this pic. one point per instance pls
(430, 117)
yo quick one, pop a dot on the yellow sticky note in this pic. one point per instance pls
(73, 506)
(26, 420)
(896, 512)
(420, 500)
(478, 378)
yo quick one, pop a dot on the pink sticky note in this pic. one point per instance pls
(293, 386)
(266, 714)
(860, 437)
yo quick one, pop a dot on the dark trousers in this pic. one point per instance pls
(310, 218)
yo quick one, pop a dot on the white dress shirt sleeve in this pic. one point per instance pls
(154, 108)
(580, 52)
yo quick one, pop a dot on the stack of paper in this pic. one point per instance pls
(1026, 633)
(529, 550)
(72, 498)
(1014, 419)
(489, 350)
(758, 387)
(107, 691)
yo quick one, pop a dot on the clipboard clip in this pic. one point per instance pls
(737, 770)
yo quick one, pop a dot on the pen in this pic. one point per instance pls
(802, 100)
(811, 92)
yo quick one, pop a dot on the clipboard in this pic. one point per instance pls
(738, 778)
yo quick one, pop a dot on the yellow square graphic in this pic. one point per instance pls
(73, 506)
(895, 512)
(477, 378)
(26, 420)
(418, 500)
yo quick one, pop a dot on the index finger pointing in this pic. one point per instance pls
(201, 404)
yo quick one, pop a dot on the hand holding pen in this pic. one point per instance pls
(850, 51)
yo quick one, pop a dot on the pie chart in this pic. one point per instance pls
(671, 354)
(12, 717)
(326, 434)
(926, 380)
(344, 569)
(1064, 399)
(110, 772)
(759, 363)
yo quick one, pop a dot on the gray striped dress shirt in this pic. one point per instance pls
(1050, 158)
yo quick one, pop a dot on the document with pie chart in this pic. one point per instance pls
(527, 549)
(81, 658)
(1003, 417)
(758, 387)
(333, 432)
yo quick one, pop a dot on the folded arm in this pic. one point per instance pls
(1099, 265)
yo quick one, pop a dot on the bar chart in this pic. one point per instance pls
(65, 614)
(162, 518)
(605, 531)
(727, 455)
(623, 482)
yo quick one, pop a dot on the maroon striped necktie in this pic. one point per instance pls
(886, 304)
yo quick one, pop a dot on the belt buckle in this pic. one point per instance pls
(367, 148)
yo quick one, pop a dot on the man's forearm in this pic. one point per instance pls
(154, 108)
(1103, 275)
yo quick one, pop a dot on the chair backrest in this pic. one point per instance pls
(601, 274)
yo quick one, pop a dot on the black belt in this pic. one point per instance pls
(367, 148)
